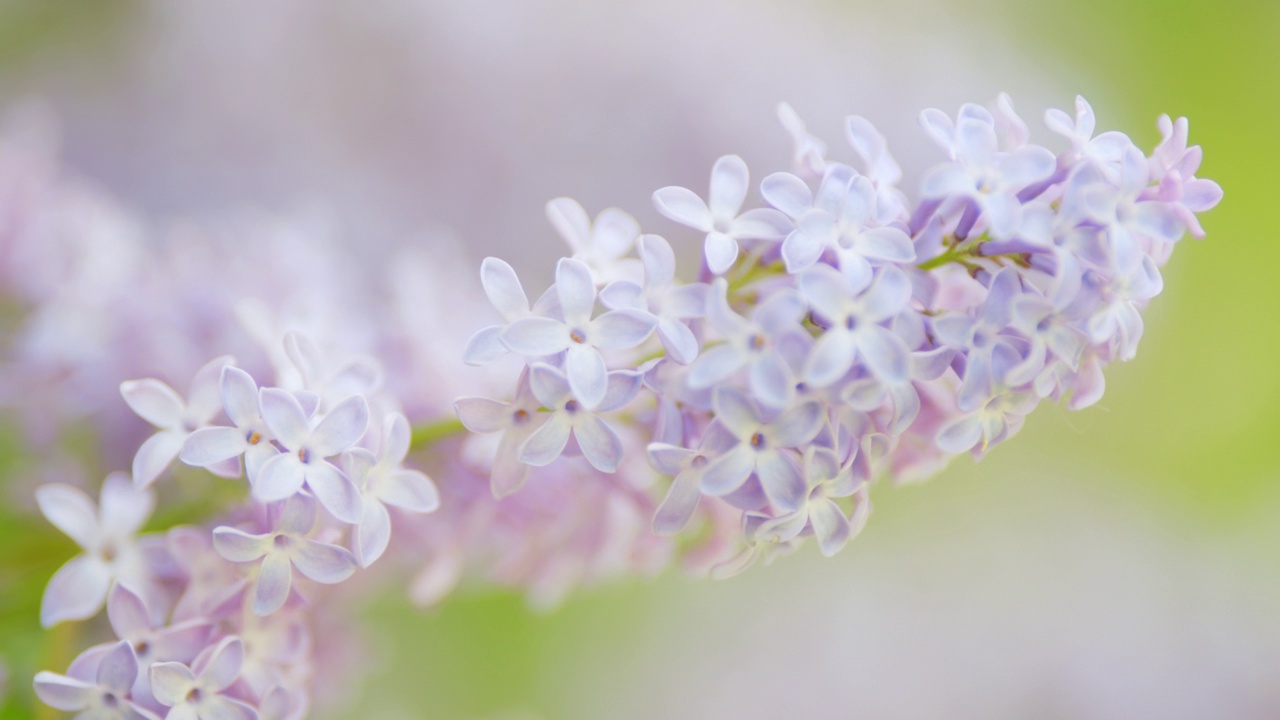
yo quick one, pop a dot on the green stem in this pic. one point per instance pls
(432, 433)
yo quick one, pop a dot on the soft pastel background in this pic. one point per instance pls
(1119, 562)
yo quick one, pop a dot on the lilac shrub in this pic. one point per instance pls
(836, 335)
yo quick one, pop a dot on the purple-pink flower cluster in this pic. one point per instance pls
(211, 625)
(835, 334)
(838, 333)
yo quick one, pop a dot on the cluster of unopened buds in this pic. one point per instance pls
(832, 336)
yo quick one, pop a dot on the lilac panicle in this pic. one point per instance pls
(846, 333)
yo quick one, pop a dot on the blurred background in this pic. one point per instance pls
(1117, 562)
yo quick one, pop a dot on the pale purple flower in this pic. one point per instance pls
(199, 692)
(1117, 322)
(106, 534)
(808, 152)
(159, 405)
(502, 287)
(285, 548)
(577, 335)
(383, 480)
(106, 697)
(1103, 151)
(601, 245)
(981, 174)
(988, 354)
(516, 421)
(843, 221)
(828, 480)
(249, 437)
(853, 314)
(996, 420)
(880, 168)
(305, 449)
(751, 344)
(685, 467)
(330, 380)
(718, 216)
(132, 621)
(672, 304)
(765, 448)
(568, 417)
(1127, 217)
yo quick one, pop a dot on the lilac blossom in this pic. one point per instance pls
(568, 417)
(106, 534)
(199, 692)
(105, 697)
(285, 548)
(858, 337)
(752, 344)
(306, 449)
(828, 480)
(601, 245)
(159, 405)
(673, 305)
(719, 216)
(577, 335)
(383, 480)
(516, 421)
(764, 448)
(249, 437)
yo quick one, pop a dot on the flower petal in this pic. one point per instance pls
(721, 251)
(335, 491)
(830, 526)
(960, 435)
(502, 287)
(485, 346)
(119, 669)
(787, 193)
(677, 508)
(409, 490)
(599, 443)
(576, 291)
(171, 682)
(587, 375)
(683, 206)
(884, 353)
(156, 454)
(341, 428)
(154, 402)
(322, 562)
(482, 415)
(240, 396)
(621, 329)
(571, 221)
(76, 591)
(547, 442)
(728, 472)
(782, 481)
(273, 584)
(212, 445)
(280, 477)
(239, 546)
(127, 613)
(729, 182)
(71, 511)
(284, 417)
(536, 337)
(61, 692)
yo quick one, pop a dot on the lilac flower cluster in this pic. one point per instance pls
(838, 333)
(832, 336)
(211, 624)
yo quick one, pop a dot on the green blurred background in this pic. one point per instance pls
(1133, 544)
